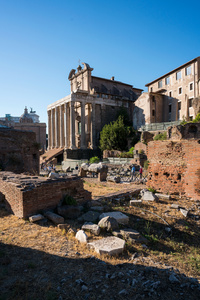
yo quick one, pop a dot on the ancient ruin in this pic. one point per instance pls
(174, 164)
(19, 151)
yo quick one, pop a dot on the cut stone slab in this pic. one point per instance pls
(69, 211)
(94, 228)
(97, 208)
(174, 205)
(119, 216)
(148, 196)
(56, 219)
(131, 235)
(133, 202)
(115, 179)
(108, 223)
(36, 218)
(163, 196)
(184, 212)
(110, 245)
(90, 216)
(81, 236)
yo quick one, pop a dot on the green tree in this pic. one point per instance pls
(114, 136)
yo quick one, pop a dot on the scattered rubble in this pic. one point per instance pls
(108, 223)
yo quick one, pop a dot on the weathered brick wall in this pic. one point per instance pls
(18, 151)
(141, 146)
(175, 167)
(29, 195)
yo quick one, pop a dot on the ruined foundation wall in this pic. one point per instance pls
(29, 195)
(175, 167)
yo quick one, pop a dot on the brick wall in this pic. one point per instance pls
(175, 167)
(30, 195)
(18, 151)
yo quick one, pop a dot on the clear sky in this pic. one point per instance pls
(135, 41)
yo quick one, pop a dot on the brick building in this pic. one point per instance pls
(75, 121)
(28, 121)
(173, 96)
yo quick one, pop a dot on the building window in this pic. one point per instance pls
(178, 75)
(180, 90)
(188, 71)
(151, 89)
(167, 80)
(170, 94)
(190, 102)
(153, 112)
(191, 86)
(79, 128)
(160, 84)
(170, 108)
(153, 98)
(179, 105)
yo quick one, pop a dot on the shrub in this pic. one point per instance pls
(94, 159)
(197, 119)
(152, 190)
(146, 164)
(69, 200)
(160, 136)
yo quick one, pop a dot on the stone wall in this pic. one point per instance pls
(28, 195)
(18, 151)
(175, 167)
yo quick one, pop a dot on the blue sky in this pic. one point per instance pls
(135, 41)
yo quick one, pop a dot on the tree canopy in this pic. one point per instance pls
(115, 135)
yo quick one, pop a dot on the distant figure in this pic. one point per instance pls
(76, 168)
(132, 172)
(140, 171)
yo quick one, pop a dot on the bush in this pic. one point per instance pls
(160, 136)
(69, 200)
(146, 164)
(197, 119)
(152, 190)
(94, 159)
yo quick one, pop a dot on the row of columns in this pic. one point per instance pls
(61, 126)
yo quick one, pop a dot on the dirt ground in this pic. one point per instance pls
(40, 261)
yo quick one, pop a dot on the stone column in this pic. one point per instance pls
(52, 129)
(65, 124)
(83, 137)
(56, 127)
(49, 130)
(93, 133)
(61, 127)
(72, 126)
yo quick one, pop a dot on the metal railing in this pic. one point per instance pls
(158, 126)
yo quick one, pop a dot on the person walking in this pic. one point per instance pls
(140, 171)
(132, 173)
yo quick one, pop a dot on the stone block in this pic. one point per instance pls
(108, 223)
(36, 218)
(69, 211)
(108, 245)
(81, 236)
(90, 216)
(56, 219)
(119, 216)
(93, 228)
